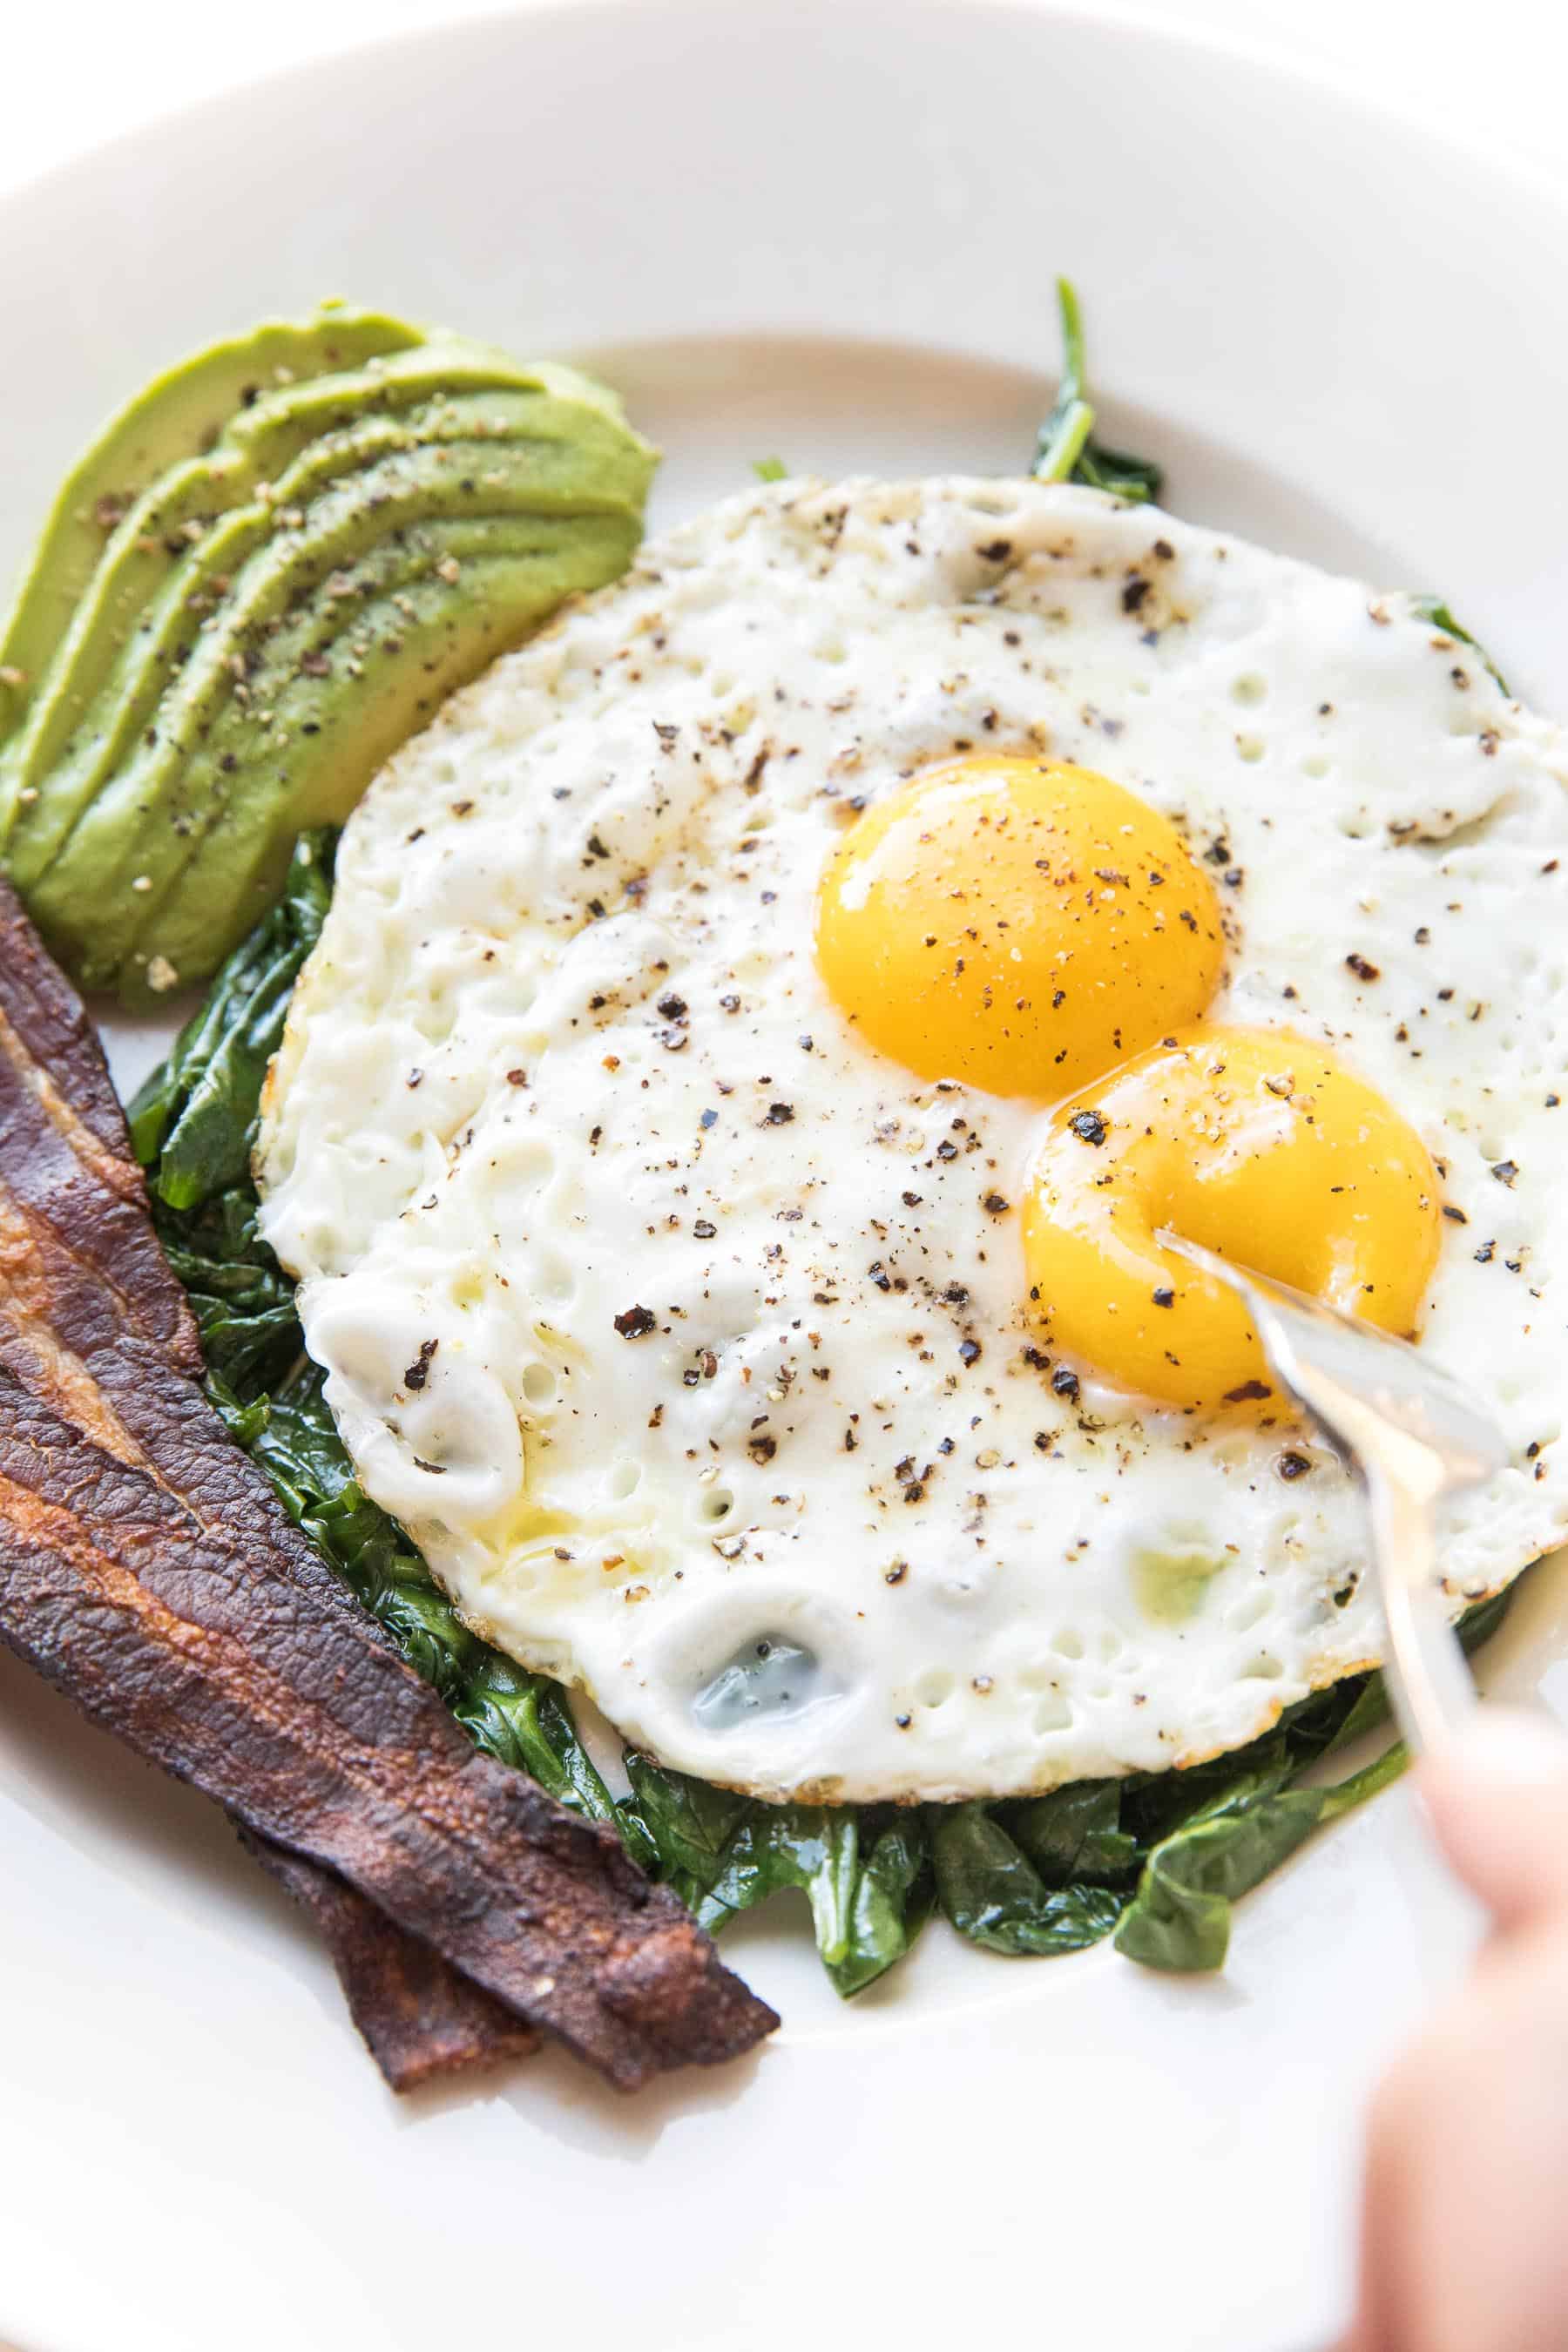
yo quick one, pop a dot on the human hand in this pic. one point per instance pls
(1464, 2209)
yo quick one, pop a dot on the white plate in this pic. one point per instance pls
(828, 230)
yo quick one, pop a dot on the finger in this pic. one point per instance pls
(1462, 2245)
(1382, 2252)
(1498, 1798)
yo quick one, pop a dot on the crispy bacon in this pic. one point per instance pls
(419, 2018)
(147, 1569)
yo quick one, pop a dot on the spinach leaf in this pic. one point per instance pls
(993, 1893)
(867, 1885)
(1432, 609)
(1075, 1833)
(891, 1904)
(198, 1116)
(1180, 1917)
(1065, 450)
(690, 1823)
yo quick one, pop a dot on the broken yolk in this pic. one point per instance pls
(1263, 1147)
(1032, 928)
(1020, 924)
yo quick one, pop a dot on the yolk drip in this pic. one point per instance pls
(1020, 924)
(1260, 1145)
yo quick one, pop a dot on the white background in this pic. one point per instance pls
(74, 72)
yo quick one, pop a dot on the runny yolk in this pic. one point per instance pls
(1018, 923)
(1259, 1145)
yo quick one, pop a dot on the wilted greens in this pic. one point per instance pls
(1065, 450)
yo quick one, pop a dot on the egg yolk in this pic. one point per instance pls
(1020, 924)
(1263, 1147)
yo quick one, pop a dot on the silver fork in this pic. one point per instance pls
(1414, 1435)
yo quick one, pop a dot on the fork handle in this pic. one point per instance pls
(1428, 1673)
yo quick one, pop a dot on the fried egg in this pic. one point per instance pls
(760, 1031)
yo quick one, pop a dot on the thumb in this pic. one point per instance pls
(1498, 1798)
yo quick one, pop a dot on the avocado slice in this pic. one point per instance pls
(260, 444)
(274, 613)
(107, 680)
(178, 414)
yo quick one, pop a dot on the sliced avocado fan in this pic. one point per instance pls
(265, 574)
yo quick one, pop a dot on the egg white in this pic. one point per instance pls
(486, 1141)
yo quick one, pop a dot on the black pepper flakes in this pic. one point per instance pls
(418, 1371)
(1064, 1382)
(1162, 1296)
(636, 1323)
(780, 1114)
(1506, 1170)
(1362, 969)
(1293, 1466)
(1088, 1127)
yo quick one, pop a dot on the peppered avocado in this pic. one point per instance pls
(236, 612)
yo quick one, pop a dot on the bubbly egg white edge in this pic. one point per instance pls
(850, 632)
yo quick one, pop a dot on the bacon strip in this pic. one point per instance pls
(147, 1569)
(419, 2018)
